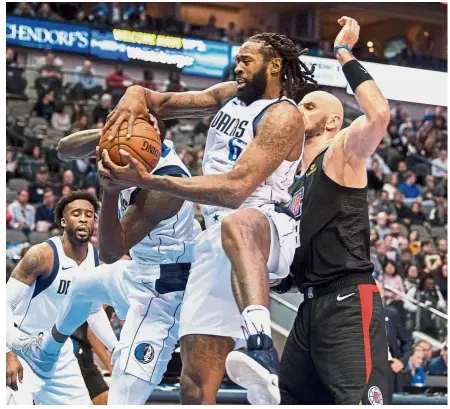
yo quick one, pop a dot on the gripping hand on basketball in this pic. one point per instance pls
(107, 179)
(125, 176)
(349, 33)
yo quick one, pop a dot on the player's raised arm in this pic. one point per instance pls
(279, 135)
(192, 104)
(365, 133)
(79, 145)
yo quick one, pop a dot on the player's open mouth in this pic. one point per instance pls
(241, 82)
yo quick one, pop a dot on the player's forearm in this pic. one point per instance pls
(79, 144)
(191, 104)
(99, 349)
(216, 190)
(111, 236)
(369, 96)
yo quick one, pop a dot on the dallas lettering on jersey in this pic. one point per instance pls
(224, 123)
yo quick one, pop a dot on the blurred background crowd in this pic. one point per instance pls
(407, 176)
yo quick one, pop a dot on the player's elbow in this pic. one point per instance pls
(382, 116)
(63, 149)
(109, 255)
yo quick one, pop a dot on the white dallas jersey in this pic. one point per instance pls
(38, 313)
(230, 133)
(172, 240)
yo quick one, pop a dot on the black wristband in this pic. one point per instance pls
(355, 74)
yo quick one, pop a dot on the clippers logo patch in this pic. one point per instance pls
(296, 202)
(311, 169)
(144, 353)
(375, 396)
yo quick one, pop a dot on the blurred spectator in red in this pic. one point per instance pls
(24, 10)
(22, 212)
(50, 76)
(46, 105)
(82, 124)
(439, 168)
(409, 187)
(60, 118)
(85, 84)
(29, 162)
(8, 217)
(45, 212)
(149, 80)
(102, 110)
(117, 83)
(36, 189)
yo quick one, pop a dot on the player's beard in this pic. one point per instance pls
(316, 130)
(72, 235)
(255, 87)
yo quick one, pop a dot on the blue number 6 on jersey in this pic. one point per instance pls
(235, 149)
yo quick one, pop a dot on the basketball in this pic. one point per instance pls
(144, 144)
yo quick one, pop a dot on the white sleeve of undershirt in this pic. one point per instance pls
(16, 291)
(99, 323)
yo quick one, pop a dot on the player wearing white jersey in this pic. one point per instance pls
(146, 292)
(37, 288)
(252, 150)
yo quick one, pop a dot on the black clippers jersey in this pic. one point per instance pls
(334, 228)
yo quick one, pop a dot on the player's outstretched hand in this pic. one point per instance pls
(130, 106)
(14, 370)
(130, 175)
(349, 33)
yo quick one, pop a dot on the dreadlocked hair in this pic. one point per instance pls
(295, 75)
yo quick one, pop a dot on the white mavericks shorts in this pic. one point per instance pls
(149, 299)
(66, 387)
(209, 306)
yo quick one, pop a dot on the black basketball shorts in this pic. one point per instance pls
(336, 353)
(93, 378)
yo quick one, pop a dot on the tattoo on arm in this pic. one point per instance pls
(194, 103)
(31, 266)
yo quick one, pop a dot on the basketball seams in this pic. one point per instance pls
(146, 163)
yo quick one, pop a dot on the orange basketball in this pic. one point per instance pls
(144, 144)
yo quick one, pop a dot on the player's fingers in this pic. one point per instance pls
(110, 119)
(154, 123)
(125, 156)
(13, 384)
(8, 379)
(131, 120)
(116, 126)
(108, 163)
(97, 154)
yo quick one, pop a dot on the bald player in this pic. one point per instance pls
(337, 352)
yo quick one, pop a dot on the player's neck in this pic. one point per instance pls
(74, 250)
(272, 91)
(312, 148)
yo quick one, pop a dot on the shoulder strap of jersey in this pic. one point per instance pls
(43, 283)
(264, 110)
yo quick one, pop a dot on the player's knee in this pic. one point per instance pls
(191, 387)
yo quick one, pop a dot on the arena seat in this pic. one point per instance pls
(38, 237)
(15, 236)
(17, 184)
(10, 196)
(423, 232)
(437, 232)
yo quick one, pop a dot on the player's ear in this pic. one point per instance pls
(275, 66)
(333, 123)
(63, 223)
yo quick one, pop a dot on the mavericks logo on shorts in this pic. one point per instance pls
(144, 353)
(375, 396)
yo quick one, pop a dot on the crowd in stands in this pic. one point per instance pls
(407, 180)
(135, 16)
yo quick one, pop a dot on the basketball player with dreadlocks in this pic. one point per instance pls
(252, 151)
(337, 352)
